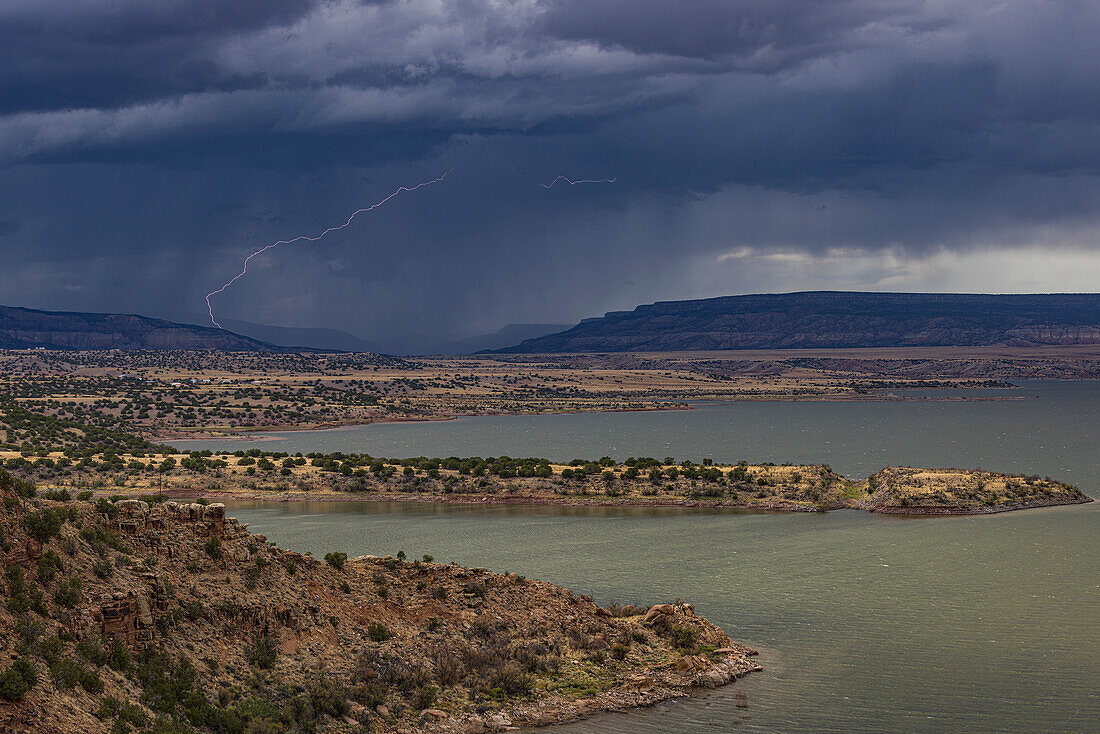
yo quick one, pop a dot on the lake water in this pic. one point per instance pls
(865, 623)
(1046, 428)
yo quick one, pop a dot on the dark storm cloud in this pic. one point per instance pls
(163, 140)
(58, 54)
(763, 35)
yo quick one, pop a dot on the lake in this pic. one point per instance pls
(1047, 428)
(865, 623)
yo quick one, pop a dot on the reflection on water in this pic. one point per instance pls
(865, 623)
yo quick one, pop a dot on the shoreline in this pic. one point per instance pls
(257, 434)
(530, 500)
(243, 434)
(994, 510)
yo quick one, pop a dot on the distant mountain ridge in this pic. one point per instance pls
(833, 319)
(306, 337)
(25, 328)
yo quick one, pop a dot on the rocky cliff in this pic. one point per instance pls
(834, 320)
(172, 617)
(24, 328)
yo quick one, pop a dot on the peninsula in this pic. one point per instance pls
(172, 617)
(256, 474)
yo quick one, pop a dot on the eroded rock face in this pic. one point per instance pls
(157, 523)
(127, 618)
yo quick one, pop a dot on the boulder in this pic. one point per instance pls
(434, 715)
(657, 610)
(690, 663)
(712, 679)
(498, 722)
(132, 508)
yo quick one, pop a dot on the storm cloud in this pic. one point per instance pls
(773, 145)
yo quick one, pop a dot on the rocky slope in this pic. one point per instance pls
(24, 328)
(827, 319)
(171, 618)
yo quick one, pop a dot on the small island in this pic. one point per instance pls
(908, 491)
(170, 617)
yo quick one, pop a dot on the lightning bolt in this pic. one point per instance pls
(307, 238)
(571, 182)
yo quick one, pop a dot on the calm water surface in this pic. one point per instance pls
(1048, 428)
(865, 623)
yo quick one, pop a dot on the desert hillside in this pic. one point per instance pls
(166, 617)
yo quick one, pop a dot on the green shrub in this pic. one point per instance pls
(511, 681)
(194, 610)
(48, 565)
(50, 649)
(262, 652)
(67, 593)
(108, 708)
(378, 632)
(119, 657)
(21, 487)
(92, 651)
(18, 680)
(213, 548)
(105, 507)
(684, 638)
(43, 524)
(68, 673)
(22, 596)
(336, 560)
(132, 714)
(425, 697)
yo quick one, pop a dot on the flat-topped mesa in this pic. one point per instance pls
(915, 491)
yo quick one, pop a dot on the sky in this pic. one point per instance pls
(755, 145)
